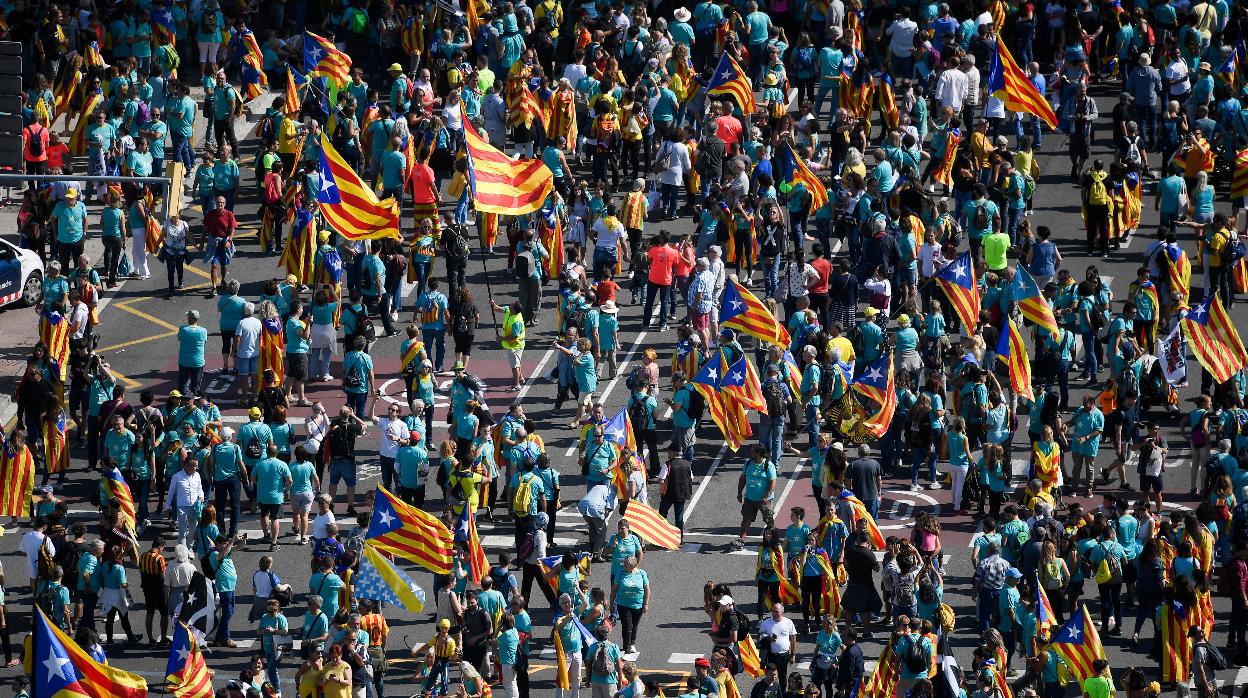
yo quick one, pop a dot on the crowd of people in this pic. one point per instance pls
(892, 107)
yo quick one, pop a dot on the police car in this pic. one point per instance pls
(21, 275)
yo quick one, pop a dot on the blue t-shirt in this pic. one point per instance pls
(631, 592)
(362, 364)
(270, 475)
(758, 479)
(191, 341)
(227, 576)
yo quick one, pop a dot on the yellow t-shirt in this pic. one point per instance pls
(286, 136)
(336, 690)
(844, 345)
(308, 687)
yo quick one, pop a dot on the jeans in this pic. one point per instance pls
(666, 503)
(270, 667)
(1111, 602)
(435, 346)
(828, 86)
(387, 471)
(665, 302)
(225, 602)
(987, 602)
(357, 402)
(916, 466)
(812, 424)
(188, 520)
(771, 436)
(1146, 117)
(597, 532)
(422, 278)
(189, 379)
(771, 276)
(230, 488)
(669, 195)
(1089, 347)
(143, 492)
(320, 362)
(183, 152)
(604, 258)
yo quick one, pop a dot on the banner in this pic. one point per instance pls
(1172, 354)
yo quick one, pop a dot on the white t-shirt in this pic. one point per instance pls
(902, 42)
(392, 431)
(1178, 70)
(573, 72)
(929, 259)
(783, 630)
(608, 235)
(248, 333)
(320, 525)
(30, 545)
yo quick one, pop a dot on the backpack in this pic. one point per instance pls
(1236, 250)
(981, 220)
(1014, 544)
(1109, 571)
(35, 140)
(1133, 151)
(1051, 575)
(524, 263)
(633, 380)
(353, 379)
(47, 603)
(1097, 194)
(68, 555)
(523, 498)
(743, 624)
(463, 322)
(339, 438)
(805, 58)
(577, 317)
(1128, 383)
(46, 564)
(430, 312)
(773, 395)
(916, 660)
(457, 246)
(638, 414)
(1214, 659)
(142, 114)
(697, 405)
(359, 23)
(601, 663)
(254, 448)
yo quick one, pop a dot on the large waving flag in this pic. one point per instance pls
(115, 487)
(254, 79)
(707, 383)
(1213, 339)
(500, 184)
(551, 229)
(730, 79)
(651, 527)
(17, 480)
(619, 431)
(55, 451)
(1078, 644)
(883, 681)
(322, 59)
(859, 511)
(62, 669)
(350, 207)
(54, 331)
(382, 580)
(187, 673)
(466, 533)
(957, 279)
(793, 170)
(1012, 86)
(300, 251)
(944, 172)
(165, 26)
(1013, 351)
(741, 310)
(78, 139)
(751, 663)
(878, 383)
(272, 348)
(296, 84)
(741, 382)
(404, 530)
(1173, 624)
(1031, 302)
(1239, 180)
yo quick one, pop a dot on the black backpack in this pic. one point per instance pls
(576, 318)
(1214, 659)
(457, 245)
(981, 215)
(524, 264)
(697, 405)
(36, 141)
(47, 603)
(916, 660)
(254, 448)
(773, 395)
(1128, 384)
(743, 624)
(638, 414)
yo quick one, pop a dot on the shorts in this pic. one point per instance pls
(1150, 483)
(297, 366)
(154, 597)
(270, 510)
(342, 470)
(588, 399)
(750, 510)
(301, 502)
(463, 343)
(907, 276)
(513, 357)
(227, 341)
(247, 366)
(701, 321)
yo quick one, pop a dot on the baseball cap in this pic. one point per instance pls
(725, 600)
(1013, 573)
(254, 412)
(175, 393)
(444, 623)
(702, 662)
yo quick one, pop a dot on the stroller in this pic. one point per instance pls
(1155, 390)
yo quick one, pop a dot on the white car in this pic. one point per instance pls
(21, 275)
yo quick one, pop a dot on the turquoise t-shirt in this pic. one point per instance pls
(119, 447)
(271, 475)
(326, 585)
(1168, 193)
(301, 476)
(191, 341)
(621, 550)
(111, 219)
(613, 658)
(412, 464)
(277, 622)
(757, 24)
(631, 592)
(393, 169)
(225, 458)
(227, 576)
(795, 538)
(231, 310)
(372, 276)
(586, 373)
(71, 221)
(508, 647)
(362, 363)
(758, 478)
(295, 343)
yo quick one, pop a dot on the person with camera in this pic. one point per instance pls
(778, 641)
(1152, 463)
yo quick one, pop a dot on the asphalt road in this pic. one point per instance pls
(138, 328)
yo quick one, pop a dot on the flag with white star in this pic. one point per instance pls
(349, 206)
(1213, 339)
(877, 383)
(381, 580)
(741, 310)
(1031, 303)
(62, 669)
(1078, 644)
(957, 279)
(322, 59)
(401, 529)
(187, 672)
(198, 609)
(730, 79)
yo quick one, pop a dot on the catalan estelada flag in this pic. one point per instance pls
(706, 382)
(295, 81)
(412, 36)
(272, 349)
(878, 383)
(62, 669)
(741, 310)
(67, 82)
(1013, 351)
(793, 170)
(687, 358)
(466, 533)
(730, 79)
(1213, 339)
(165, 26)
(957, 279)
(1078, 644)
(91, 55)
(55, 452)
(300, 251)
(883, 681)
(1031, 302)
(1045, 617)
(944, 172)
(500, 184)
(17, 479)
(349, 206)
(54, 331)
(860, 513)
(78, 139)
(1239, 180)
(254, 79)
(404, 530)
(1046, 458)
(751, 663)
(857, 89)
(651, 527)
(1012, 86)
(115, 487)
(1179, 271)
(888, 102)
(186, 671)
(551, 230)
(322, 59)
(740, 381)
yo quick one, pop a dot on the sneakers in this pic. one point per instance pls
(933, 485)
(914, 487)
(738, 544)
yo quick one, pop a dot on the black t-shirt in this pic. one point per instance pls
(859, 565)
(269, 399)
(465, 314)
(342, 434)
(476, 623)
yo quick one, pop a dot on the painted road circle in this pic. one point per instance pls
(899, 510)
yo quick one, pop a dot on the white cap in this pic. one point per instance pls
(726, 601)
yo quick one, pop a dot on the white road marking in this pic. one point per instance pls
(537, 372)
(789, 487)
(706, 480)
(683, 658)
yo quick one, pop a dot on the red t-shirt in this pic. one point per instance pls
(662, 259)
(219, 222)
(728, 128)
(605, 290)
(56, 155)
(422, 184)
(824, 269)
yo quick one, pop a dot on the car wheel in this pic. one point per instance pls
(32, 290)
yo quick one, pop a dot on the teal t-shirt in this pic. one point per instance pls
(231, 310)
(71, 221)
(111, 219)
(326, 585)
(613, 658)
(758, 478)
(631, 592)
(295, 343)
(191, 342)
(270, 475)
(301, 476)
(225, 459)
(227, 575)
(361, 363)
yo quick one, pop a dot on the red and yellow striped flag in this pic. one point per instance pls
(563, 679)
(65, 670)
(944, 173)
(1012, 86)
(272, 349)
(17, 479)
(1214, 340)
(651, 527)
(78, 139)
(1239, 180)
(54, 331)
(322, 59)
(1173, 623)
(503, 185)
(411, 533)
(300, 251)
(730, 79)
(349, 206)
(860, 513)
(155, 235)
(522, 106)
(187, 674)
(751, 663)
(115, 487)
(883, 681)
(1179, 271)
(1078, 644)
(1013, 351)
(55, 451)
